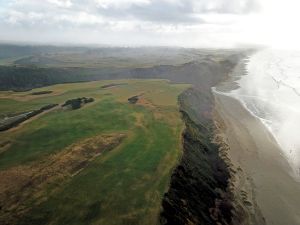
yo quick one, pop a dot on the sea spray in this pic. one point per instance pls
(270, 90)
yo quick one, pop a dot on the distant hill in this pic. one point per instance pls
(53, 65)
(9, 50)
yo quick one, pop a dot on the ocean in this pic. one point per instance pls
(270, 90)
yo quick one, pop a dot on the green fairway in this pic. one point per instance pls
(121, 186)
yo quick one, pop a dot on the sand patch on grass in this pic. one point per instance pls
(22, 184)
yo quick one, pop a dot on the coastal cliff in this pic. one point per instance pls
(198, 189)
(203, 187)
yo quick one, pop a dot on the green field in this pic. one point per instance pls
(121, 186)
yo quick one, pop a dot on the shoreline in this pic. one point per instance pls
(254, 153)
(240, 185)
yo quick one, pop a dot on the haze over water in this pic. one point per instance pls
(271, 92)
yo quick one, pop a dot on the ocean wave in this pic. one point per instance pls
(270, 90)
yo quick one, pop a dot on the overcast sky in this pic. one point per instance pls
(189, 23)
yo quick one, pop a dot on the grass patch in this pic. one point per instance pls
(123, 186)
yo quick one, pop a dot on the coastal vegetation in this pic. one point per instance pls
(109, 159)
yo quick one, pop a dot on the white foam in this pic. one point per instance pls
(271, 91)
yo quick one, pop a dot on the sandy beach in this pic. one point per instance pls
(262, 175)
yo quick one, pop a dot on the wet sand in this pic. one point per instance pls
(253, 150)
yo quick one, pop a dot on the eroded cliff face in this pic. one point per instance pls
(201, 190)
(240, 187)
(198, 189)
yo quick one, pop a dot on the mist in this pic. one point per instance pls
(271, 92)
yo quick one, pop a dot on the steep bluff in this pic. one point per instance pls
(199, 189)
(197, 192)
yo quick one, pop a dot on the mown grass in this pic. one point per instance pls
(123, 186)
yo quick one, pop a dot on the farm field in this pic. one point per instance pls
(108, 162)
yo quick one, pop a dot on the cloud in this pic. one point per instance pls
(173, 11)
(120, 3)
(61, 3)
(204, 23)
(156, 11)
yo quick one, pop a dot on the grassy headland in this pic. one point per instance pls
(124, 185)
